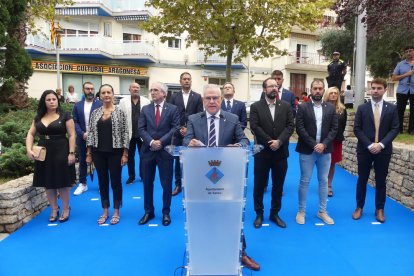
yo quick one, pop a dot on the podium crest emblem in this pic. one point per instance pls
(214, 174)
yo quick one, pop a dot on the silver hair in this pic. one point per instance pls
(163, 87)
(212, 86)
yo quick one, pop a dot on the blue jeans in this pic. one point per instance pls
(307, 162)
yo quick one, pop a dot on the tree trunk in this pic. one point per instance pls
(229, 60)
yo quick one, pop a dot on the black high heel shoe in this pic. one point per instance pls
(54, 215)
(64, 218)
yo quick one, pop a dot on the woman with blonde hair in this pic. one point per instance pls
(332, 96)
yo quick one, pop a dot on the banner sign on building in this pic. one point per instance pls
(89, 68)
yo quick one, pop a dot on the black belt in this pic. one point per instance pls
(50, 137)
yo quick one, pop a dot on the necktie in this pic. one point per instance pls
(377, 117)
(228, 106)
(157, 115)
(212, 133)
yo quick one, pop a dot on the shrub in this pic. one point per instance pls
(14, 125)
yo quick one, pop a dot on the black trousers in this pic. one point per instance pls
(134, 143)
(381, 163)
(108, 166)
(262, 166)
(81, 147)
(165, 162)
(401, 105)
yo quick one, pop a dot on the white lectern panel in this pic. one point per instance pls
(214, 184)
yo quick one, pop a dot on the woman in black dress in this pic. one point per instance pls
(56, 172)
(107, 145)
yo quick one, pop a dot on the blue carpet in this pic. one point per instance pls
(81, 247)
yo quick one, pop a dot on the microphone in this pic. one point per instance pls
(256, 148)
(172, 149)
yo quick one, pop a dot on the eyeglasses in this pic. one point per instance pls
(154, 90)
(89, 88)
(214, 98)
(272, 86)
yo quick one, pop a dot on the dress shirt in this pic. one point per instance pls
(271, 105)
(317, 108)
(185, 98)
(216, 124)
(380, 104)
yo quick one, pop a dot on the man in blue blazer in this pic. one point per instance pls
(232, 105)
(284, 94)
(156, 126)
(376, 126)
(316, 126)
(81, 113)
(201, 131)
(188, 102)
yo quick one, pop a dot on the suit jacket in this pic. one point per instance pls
(267, 128)
(78, 115)
(230, 131)
(194, 105)
(125, 105)
(364, 126)
(148, 130)
(306, 127)
(238, 108)
(288, 97)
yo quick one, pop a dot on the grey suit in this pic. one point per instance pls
(230, 131)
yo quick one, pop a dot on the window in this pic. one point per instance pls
(301, 53)
(108, 29)
(217, 81)
(174, 43)
(131, 37)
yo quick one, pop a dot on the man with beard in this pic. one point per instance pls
(188, 102)
(81, 112)
(316, 126)
(132, 108)
(271, 120)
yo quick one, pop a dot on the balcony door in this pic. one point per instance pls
(301, 53)
(298, 83)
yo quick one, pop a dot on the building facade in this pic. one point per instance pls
(102, 42)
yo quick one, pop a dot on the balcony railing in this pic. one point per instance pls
(307, 58)
(213, 59)
(95, 43)
(115, 5)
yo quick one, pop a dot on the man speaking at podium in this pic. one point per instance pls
(217, 128)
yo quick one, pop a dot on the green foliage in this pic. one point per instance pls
(14, 162)
(14, 125)
(341, 40)
(230, 27)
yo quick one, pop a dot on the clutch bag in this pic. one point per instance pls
(39, 153)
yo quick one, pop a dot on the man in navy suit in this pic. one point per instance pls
(316, 126)
(376, 126)
(231, 105)
(81, 113)
(284, 94)
(227, 132)
(271, 120)
(156, 126)
(188, 102)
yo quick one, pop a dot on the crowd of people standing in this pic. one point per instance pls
(108, 135)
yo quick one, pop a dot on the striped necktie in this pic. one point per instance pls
(212, 133)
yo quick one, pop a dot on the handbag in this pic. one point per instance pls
(39, 153)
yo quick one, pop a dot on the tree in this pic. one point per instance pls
(17, 19)
(234, 29)
(381, 16)
(16, 63)
(341, 40)
(389, 29)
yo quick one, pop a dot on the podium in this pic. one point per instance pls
(214, 182)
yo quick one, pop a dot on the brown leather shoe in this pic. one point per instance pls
(250, 263)
(357, 214)
(176, 191)
(379, 215)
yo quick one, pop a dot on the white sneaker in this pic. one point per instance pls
(300, 218)
(80, 189)
(326, 218)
